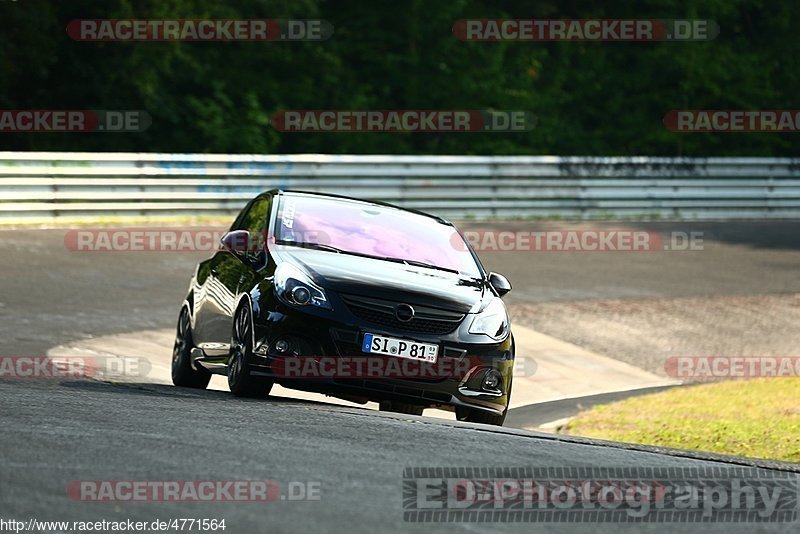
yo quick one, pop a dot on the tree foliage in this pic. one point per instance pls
(590, 98)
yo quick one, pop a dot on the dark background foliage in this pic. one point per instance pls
(590, 98)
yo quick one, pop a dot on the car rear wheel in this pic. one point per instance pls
(240, 381)
(401, 407)
(182, 372)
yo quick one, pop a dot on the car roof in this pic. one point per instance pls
(333, 196)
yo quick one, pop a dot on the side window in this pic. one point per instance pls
(254, 220)
(237, 223)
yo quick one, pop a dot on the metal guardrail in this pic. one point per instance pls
(66, 185)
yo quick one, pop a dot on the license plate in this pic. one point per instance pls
(425, 352)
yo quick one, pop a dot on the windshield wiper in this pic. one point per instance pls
(317, 246)
(329, 248)
(428, 265)
(416, 263)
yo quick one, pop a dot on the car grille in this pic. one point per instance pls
(381, 313)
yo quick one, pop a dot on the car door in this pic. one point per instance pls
(206, 307)
(224, 273)
(257, 225)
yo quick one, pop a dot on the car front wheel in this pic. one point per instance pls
(471, 415)
(400, 407)
(479, 416)
(240, 381)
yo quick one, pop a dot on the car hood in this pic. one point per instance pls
(357, 275)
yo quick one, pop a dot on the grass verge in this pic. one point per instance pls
(758, 418)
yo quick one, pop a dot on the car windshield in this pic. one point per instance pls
(373, 230)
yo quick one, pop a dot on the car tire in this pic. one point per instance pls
(401, 407)
(183, 374)
(240, 381)
(471, 415)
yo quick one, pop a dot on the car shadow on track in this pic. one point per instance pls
(164, 390)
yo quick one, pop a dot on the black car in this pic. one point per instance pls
(308, 287)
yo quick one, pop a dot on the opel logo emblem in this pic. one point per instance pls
(404, 312)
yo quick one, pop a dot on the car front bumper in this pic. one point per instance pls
(456, 380)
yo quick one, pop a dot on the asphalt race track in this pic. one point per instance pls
(86, 294)
(58, 431)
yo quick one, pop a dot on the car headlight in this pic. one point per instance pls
(294, 286)
(492, 321)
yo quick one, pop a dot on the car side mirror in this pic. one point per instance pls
(500, 283)
(236, 242)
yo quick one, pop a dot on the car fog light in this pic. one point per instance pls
(301, 295)
(491, 380)
(282, 346)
